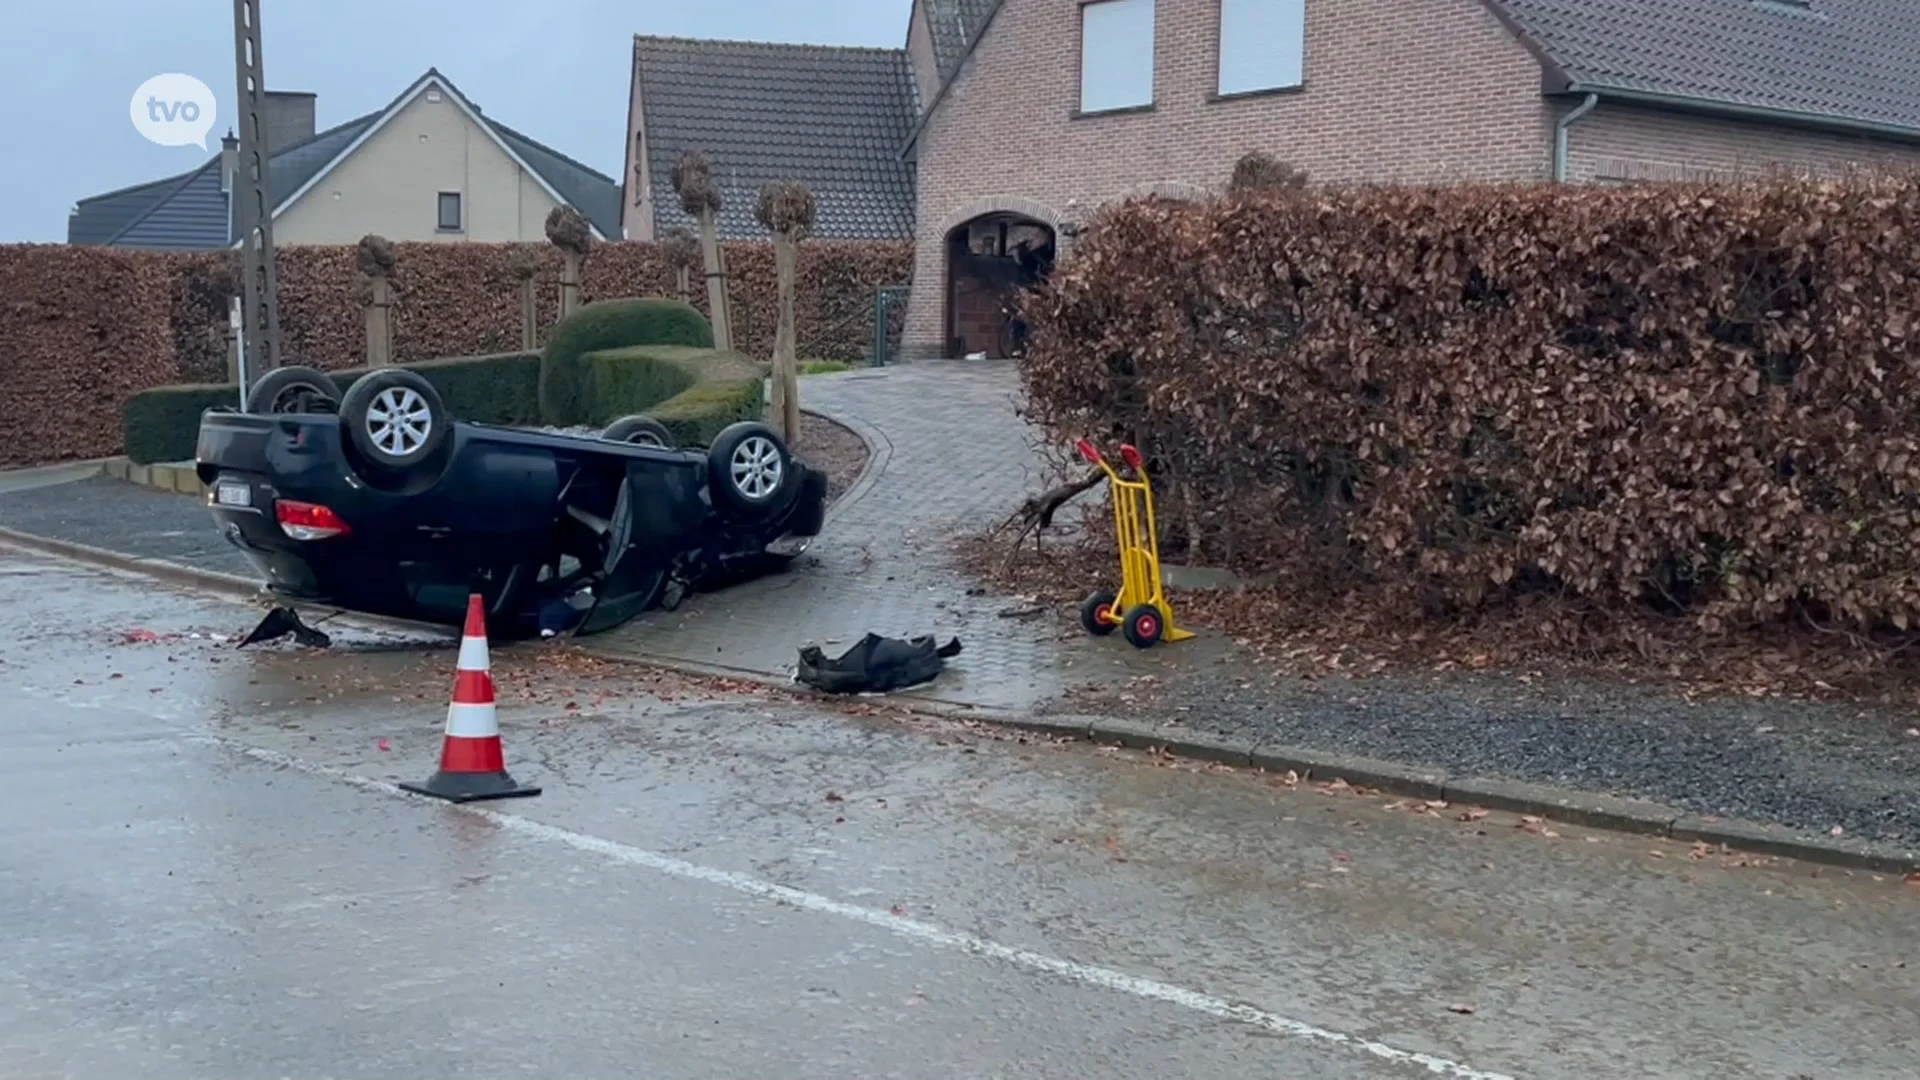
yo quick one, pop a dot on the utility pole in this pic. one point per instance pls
(253, 196)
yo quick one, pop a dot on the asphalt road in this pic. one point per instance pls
(206, 872)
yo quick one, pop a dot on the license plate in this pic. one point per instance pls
(228, 494)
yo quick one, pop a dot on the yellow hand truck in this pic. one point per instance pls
(1140, 611)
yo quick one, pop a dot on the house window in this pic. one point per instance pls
(1116, 55)
(1262, 45)
(449, 211)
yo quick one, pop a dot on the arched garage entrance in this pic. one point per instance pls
(990, 260)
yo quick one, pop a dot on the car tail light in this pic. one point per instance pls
(308, 521)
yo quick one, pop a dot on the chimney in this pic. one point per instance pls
(229, 160)
(287, 116)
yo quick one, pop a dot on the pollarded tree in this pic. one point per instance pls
(786, 209)
(700, 198)
(682, 251)
(569, 232)
(374, 258)
(1261, 171)
(523, 266)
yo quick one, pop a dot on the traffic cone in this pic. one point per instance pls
(472, 764)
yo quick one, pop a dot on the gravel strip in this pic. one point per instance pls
(1802, 765)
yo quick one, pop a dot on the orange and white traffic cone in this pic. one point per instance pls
(472, 764)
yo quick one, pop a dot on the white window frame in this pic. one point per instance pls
(460, 207)
(1109, 57)
(1263, 46)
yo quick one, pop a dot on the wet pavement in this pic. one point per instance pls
(951, 457)
(206, 872)
(115, 515)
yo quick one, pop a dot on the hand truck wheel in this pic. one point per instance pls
(1096, 614)
(1143, 626)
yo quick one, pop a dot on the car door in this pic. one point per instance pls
(633, 575)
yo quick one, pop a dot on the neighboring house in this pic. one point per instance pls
(428, 167)
(833, 118)
(1032, 113)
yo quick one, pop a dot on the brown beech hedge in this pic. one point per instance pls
(1703, 400)
(83, 329)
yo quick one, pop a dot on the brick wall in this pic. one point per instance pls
(1396, 90)
(1623, 143)
(1385, 99)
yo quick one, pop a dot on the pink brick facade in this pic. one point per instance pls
(1619, 143)
(1395, 90)
(1384, 100)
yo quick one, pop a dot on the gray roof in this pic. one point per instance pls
(833, 118)
(193, 216)
(1855, 61)
(955, 25)
(188, 212)
(595, 194)
(102, 217)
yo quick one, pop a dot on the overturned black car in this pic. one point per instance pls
(378, 501)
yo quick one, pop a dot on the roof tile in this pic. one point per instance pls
(955, 24)
(833, 118)
(1855, 60)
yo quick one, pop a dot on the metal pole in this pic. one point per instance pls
(252, 191)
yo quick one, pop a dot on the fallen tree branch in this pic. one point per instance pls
(1035, 514)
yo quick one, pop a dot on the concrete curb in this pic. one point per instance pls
(32, 477)
(1569, 806)
(879, 454)
(1598, 811)
(175, 476)
(246, 590)
(215, 580)
(1593, 810)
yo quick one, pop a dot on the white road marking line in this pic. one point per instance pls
(923, 932)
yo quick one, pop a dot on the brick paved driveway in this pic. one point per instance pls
(949, 455)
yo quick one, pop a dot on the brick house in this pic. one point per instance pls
(1028, 114)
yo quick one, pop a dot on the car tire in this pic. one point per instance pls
(639, 431)
(749, 467)
(294, 390)
(395, 419)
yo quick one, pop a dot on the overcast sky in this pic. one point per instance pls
(557, 70)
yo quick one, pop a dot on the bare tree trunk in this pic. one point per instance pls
(786, 362)
(569, 283)
(380, 324)
(716, 282)
(529, 315)
(683, 277)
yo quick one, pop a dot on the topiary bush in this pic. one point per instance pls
(636, 379)
(565, 380)
(163, 424)
(503, 388)
(694, 392)
(698, 415)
